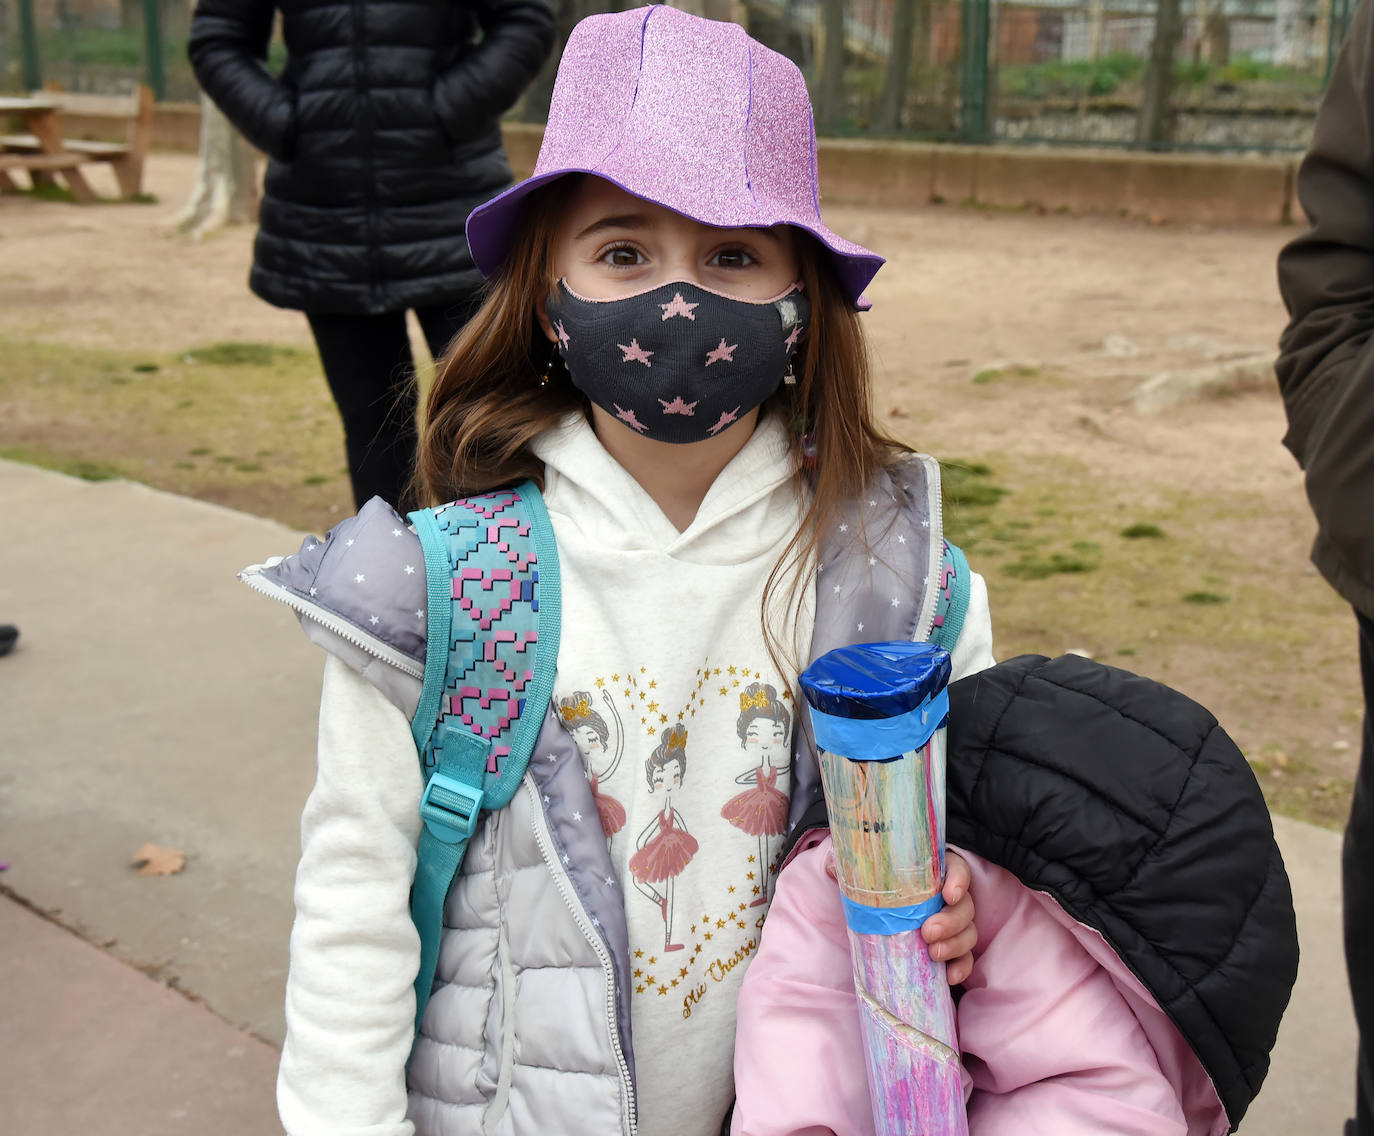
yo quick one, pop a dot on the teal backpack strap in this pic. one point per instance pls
(491, 572)
(952, 605)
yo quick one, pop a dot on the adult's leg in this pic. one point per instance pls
(1358, 888)
(442, 322)
(370, 373)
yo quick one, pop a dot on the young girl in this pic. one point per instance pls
(670, 346)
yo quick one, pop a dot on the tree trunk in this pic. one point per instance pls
(226, 191)
(1154, 128)
(830, 98)
(1096, 26)
(892, 101)
(1289, 48)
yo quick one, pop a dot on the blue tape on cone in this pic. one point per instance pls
(880, 739)
(889, 920)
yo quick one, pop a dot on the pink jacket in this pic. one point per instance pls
(1058, 1036)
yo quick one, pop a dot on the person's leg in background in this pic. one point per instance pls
(367, 362)
(441, 322)
(1357, 880)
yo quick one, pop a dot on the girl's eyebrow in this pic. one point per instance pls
(615, 221)
(640, 221)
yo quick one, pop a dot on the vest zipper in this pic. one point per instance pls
(330, 622)
(936, 553)
(564, 885)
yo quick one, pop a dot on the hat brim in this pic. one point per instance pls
(492, 226)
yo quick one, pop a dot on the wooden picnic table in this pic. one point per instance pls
(41, 117)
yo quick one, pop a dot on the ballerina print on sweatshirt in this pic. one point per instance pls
(591, 733)
(761, 810)
(665, 847)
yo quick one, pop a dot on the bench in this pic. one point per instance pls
(65, 141)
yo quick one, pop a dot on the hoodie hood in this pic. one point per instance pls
(751, 507)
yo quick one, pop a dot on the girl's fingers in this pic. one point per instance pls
(955, 946)
(957, 878)
(958, 971)
(951, 922)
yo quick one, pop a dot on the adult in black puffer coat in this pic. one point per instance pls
(383, 133)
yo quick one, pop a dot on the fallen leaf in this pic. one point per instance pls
(154, 860)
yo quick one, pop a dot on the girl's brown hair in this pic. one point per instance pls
(486, 405)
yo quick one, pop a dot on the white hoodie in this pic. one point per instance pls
(656, 624)
(662, 630)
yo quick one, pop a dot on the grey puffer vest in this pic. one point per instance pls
(528, 1028)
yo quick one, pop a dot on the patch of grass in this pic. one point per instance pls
(1205, 598)
(315, 479)
(995, 374)
(240, 354)
(85, 468)
(51, 191)
(59, 408)
(1031, 567)
(967, 484)
(1142, 530)
(146, 368)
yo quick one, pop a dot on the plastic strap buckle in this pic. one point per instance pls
(450, 808)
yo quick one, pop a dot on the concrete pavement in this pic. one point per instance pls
(153, 698)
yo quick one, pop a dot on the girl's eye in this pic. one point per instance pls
(622, 256)
(733, 258)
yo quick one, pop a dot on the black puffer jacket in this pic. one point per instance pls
(383, 134)
(1126, 802)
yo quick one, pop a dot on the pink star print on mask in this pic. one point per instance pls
(679, 307)
(677, 406)
(628, 417)
(791, 341)
(725, 420)
(562, 335)
(634, 353)
(722, 353)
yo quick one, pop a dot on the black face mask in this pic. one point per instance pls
(678, 363)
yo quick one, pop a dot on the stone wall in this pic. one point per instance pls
(1254, 130)
(1185, 188)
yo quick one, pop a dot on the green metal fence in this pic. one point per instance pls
(1230, 75)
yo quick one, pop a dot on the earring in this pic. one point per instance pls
(552, 365)
(789, 376)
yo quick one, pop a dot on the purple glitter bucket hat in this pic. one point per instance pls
(690, 114)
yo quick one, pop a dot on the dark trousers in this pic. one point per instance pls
(368, 365)
(1357, 879)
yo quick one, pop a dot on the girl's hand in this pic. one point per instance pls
(951, 934)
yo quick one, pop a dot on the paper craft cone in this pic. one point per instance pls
(878, 711)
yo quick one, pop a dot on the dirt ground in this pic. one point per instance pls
(1008, 339)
